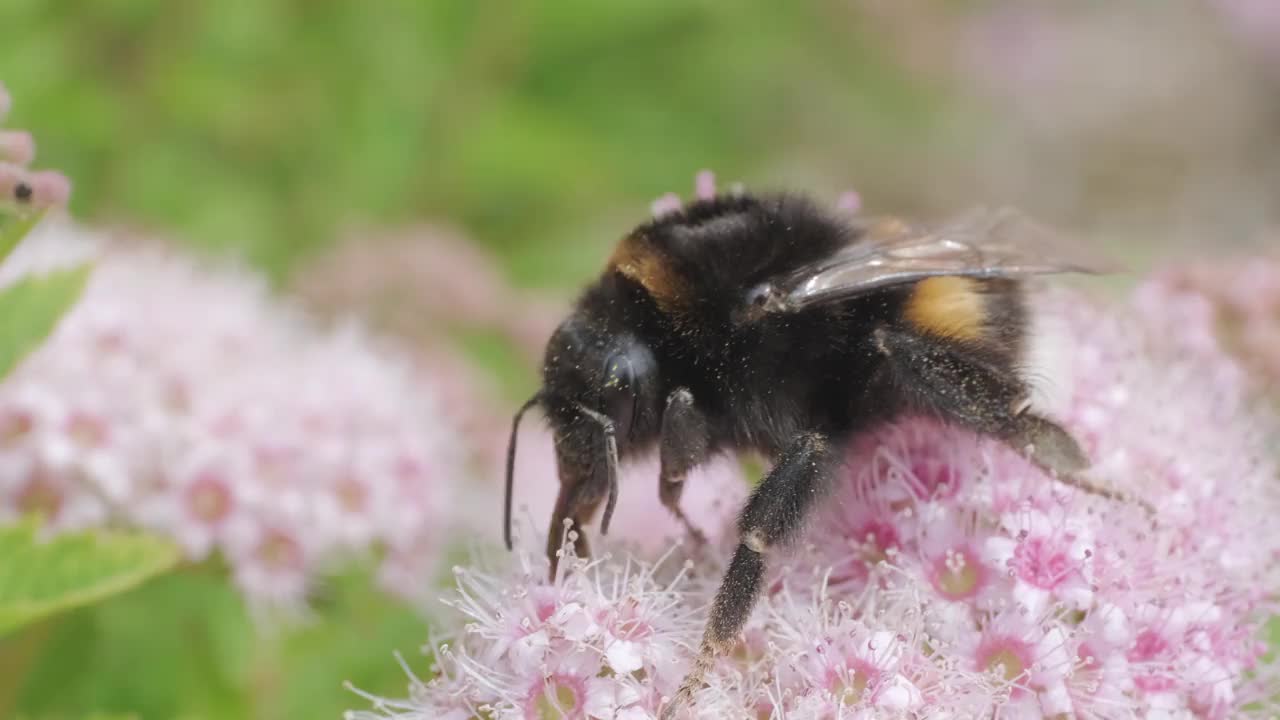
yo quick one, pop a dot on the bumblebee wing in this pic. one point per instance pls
(983, 243)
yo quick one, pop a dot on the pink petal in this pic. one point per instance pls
(17, 146)
(705, 185)
(666, 205)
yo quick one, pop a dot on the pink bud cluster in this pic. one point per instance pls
(948, 577)
(22, 189)
(186, 400)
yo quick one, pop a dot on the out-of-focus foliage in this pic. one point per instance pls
(31, 308)
(197, 654)
(39, 578)
(13, 230)
(261, 126)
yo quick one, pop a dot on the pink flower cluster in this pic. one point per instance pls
(187, 400)
(949, 578)
(604, 640)
(22, 189)
(1237, 300)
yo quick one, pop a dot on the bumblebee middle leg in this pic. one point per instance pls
(958, 384)
(683, 446)
(774, 514)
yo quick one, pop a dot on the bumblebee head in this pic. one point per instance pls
(600, 395)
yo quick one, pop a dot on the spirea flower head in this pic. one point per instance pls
(186, 400)
(603, 640)
(22, 189)
(1236, 300)
(949, 577)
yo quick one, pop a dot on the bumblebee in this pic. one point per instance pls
(766, 323)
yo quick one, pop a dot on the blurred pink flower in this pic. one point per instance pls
(949, 576)
(1237, 300)
(1256, 22)
(187, 400)
(22, 189)
(428, 282)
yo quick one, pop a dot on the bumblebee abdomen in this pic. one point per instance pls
(968, 310)
(950, 307)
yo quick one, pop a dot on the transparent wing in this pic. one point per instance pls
(981, 244)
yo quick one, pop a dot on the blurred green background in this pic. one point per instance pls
(266, 128)
(260, 127)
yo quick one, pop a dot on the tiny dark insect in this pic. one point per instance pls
(745, 323)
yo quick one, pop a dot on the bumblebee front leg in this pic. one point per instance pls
(575, 505)
(774, 514)
(683, 446)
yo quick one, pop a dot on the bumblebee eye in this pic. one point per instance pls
(619, 391)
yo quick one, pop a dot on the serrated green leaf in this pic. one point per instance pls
(13, 229)
(41, 577)
(30, 309)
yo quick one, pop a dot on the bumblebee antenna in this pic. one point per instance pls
(511, 465)
(611, 462)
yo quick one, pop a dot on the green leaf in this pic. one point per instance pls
(191, 631)
(40, 577)
(30, 309)
(14, 229)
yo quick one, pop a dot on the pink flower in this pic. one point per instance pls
(839, 657)
(188, 401)
(1256, 22)
(1235, 300)
(429, 281)
(17, 147)
(604, 640)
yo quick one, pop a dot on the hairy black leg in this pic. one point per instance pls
(683, 446)
(943, 378)
(774, 514)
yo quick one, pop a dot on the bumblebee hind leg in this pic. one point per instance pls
(957, 383)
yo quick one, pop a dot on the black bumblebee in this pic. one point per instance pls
(745, 323)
